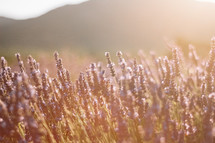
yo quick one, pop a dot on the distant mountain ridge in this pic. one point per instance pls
(112, 24)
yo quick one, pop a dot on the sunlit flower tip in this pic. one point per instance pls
(140, 67)
(93, 65)
(129, 69)
(17, 54)
(2, 58)
(56, 53)
(107, 54)
(212, 96)
(119, 53)
(19, 78)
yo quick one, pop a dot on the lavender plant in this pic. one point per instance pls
(145, 99)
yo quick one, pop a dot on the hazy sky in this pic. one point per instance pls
(23, 9)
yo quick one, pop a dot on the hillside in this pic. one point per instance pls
(113, 24)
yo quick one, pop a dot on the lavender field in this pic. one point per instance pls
(147, 99)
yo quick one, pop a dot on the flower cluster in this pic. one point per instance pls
(145, 99)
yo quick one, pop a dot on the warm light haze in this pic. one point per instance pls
(107, 71)
(24, 9)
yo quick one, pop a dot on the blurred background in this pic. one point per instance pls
(89, 28)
